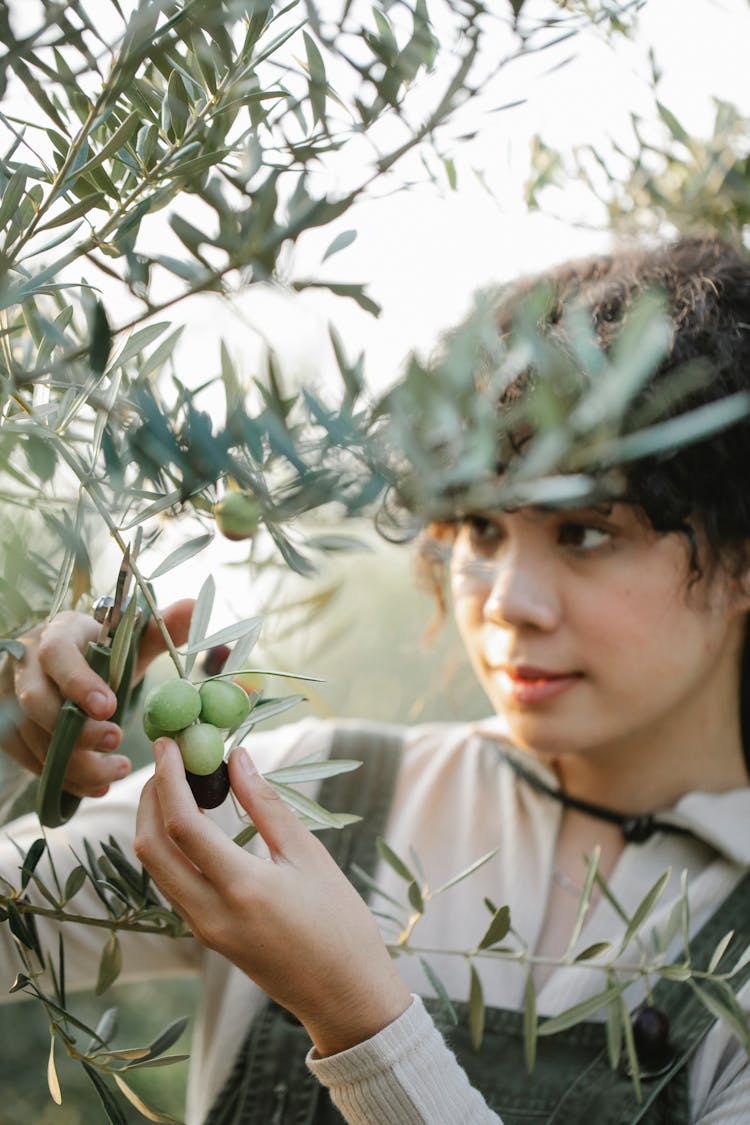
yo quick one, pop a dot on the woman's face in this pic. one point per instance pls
(586, 632)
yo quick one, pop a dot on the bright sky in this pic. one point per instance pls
(424, 251)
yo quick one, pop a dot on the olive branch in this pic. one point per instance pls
(129, 903)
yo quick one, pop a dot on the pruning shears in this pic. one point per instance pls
(112, 656)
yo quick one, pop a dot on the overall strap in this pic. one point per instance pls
(269, 1083)
(367, 792)
(690, 1021)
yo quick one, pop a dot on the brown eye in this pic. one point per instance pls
(483, 534)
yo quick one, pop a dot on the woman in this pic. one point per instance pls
(611, 644)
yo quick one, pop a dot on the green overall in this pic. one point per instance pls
(572, 1082)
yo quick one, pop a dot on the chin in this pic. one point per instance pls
(543, 739)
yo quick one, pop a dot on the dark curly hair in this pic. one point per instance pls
(706, 284)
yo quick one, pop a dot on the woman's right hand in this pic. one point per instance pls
(54, 668)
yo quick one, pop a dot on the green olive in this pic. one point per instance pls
(237, 515)
(202, 748)
(223, 703)
(152, 731)
(171, 706)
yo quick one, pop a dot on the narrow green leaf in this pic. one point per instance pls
(530, 1023)
(100, 343)
(309, 808)
(165, 1060)
(199, 621)
(630, 1051)
(414, 895)
(182, 554)
(644, 908)
(114, 1114)
(742, 960)
(74, 882)
(497, 929)
(140, 340)
(476, 1009)
(593, 950)
(18, 927)
(312, 771)
(318, 84)
(614, 1028)
(675, 972)
(110, 964)
(12, 197)
(466, 872)
(33, 855)
(585, 900)
(440, 990)
(121, 644)
(120, 137)
(105, 1028)
(724, 1013)
(166, 1038)
(674, 126)
(387, 853)
(266, 709)
(578, 1012)
(167, 501)
(719, 952)
(82, 207)
(225, 636)
(340, 242)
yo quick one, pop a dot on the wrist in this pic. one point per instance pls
(358, 1018)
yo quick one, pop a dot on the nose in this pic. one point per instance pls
(523, 594)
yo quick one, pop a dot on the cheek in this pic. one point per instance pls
(469, 618)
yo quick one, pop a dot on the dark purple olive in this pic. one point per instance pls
(651, 1036)
(210, 790)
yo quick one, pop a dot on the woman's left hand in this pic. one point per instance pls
(292, 922)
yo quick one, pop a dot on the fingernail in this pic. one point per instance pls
(121, 767)
(110, 741)
(159, 747)
(97, 701)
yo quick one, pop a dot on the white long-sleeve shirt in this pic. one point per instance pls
(455, 800)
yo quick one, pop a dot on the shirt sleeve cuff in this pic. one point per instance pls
(405, 1073)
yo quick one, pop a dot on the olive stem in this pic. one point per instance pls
(86, 920)
(87, 485)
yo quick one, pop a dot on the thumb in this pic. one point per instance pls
(176, 617)
(281, 829)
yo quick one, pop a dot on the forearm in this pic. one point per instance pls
(405, 1073)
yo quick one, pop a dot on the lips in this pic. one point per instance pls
(529, 684)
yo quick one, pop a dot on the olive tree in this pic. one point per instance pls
(157, 150)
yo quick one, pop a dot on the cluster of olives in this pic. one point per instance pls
(196, 719)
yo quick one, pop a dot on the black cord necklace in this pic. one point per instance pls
(636, 828)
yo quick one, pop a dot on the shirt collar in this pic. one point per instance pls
(721, 820)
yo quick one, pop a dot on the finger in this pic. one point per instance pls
(196, 835)
(41, 703)
(281, 829)
(61, 658)
(178, 879)
(177, 620)
(88, 772)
